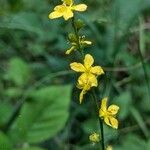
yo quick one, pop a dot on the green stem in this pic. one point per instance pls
(142, 49)
(102, 133)
(77, 36)
(100, 121)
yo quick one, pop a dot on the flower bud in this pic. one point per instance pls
(79, 24)
(72, 37)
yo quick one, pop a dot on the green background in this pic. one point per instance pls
(39, 106)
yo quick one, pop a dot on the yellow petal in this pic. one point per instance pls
(68, 13)
(79, 86)
(111, 121)
(81, 96)
(92, 80)
(97, 70)
(60, 8)
(104, 104)
(83, 79)
(107, 120)
(55, 14)
(80, 7)
(88, 61)
(114, 122)
(101, 113)
(78, 67)
(87, 79)
(83, 83)
(87, 42)
(68, 2)
(94, 137)
(70, 50)
(113, 109)
(58, 12)
(109, 147)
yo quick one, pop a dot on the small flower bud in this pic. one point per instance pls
(109, 147)
(79, 24)
(94, 138)
(72, 37)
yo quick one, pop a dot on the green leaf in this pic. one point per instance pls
(31, 148)
(4, 142)
(5, 111)
(23, 21)
(139, 119)
(18, 71)
(91, 125)
(89, 146)
(45, 115)
(132, 142)
(110, 133)
(13, 92)
(124, 102)
(148, 145)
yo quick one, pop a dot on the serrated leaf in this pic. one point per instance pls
(45, 115)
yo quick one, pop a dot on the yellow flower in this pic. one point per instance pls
(94, 138)
(109, 147)
(89, 75)
(87, 68)
(109, 114)
(66, 9)
(74, 44)
(85, 82)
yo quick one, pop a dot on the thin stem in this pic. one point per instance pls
(102, 133)
(142, 49)
(13, 116)
(77, 36)
(100, 120)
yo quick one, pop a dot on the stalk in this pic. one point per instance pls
(77, 36)
(100, 121)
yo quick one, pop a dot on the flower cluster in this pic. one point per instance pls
(88, 73)
(74, 43)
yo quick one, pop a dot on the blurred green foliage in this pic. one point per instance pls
(39, 108)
